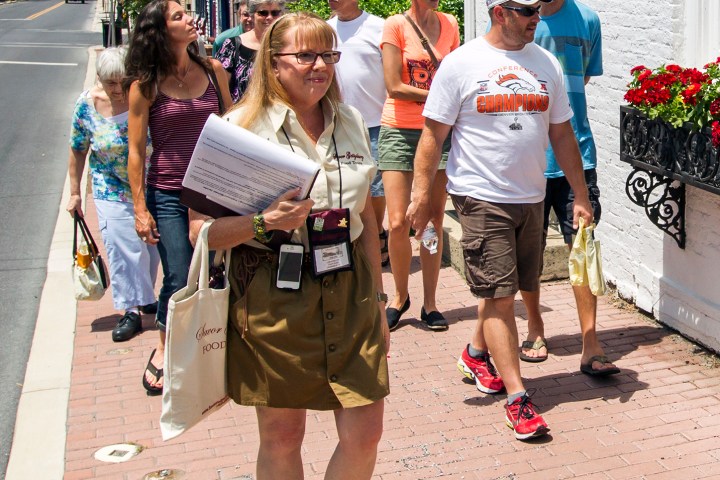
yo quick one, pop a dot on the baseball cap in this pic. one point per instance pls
(492, 3)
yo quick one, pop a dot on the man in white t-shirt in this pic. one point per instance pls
(360, 74)
(504, 98)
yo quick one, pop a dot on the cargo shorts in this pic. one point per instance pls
(502, 245)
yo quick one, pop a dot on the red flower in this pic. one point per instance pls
(715, 108)
(642, 67)
(693, 75)
(645, 74)
(672, 68)
(689, 93)
(716, 133)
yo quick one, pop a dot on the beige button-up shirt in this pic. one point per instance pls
(344, 130)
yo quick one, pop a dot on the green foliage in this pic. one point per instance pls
(382, 8)
(131, 8)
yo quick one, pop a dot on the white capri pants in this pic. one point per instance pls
(132, 263)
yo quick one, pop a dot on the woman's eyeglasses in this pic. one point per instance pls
(524, 11)
(265, 13)
(309, 58)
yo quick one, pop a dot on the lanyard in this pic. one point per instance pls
(337, 157)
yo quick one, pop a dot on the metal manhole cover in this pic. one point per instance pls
(120, 452)
(165, 474)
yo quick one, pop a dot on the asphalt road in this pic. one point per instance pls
(43, 61)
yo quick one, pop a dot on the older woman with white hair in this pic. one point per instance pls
(100, 127)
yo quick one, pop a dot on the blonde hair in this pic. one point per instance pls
(264, 88)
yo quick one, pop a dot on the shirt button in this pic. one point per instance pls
(332, 347)
(333, 378)
(326, 284)
(330, 316)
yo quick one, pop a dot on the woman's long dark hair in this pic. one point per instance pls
(149, 57)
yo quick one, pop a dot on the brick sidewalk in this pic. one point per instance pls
(659, 419)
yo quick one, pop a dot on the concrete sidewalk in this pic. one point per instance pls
(659, 419)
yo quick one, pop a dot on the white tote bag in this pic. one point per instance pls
(195, 384)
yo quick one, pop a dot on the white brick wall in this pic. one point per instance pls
(679, 287)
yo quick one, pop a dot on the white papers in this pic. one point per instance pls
(236, 169)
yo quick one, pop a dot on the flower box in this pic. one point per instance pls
(685, 153)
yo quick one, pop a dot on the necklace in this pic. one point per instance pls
(181, 81)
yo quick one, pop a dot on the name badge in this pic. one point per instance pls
(329, 258)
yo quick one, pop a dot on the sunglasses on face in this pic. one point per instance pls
(265, 13)
(524, 11)
(309, 58)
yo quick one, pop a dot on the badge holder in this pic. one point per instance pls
(329, 239)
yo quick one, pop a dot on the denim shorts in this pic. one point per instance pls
(376, 186)
(397, 148)
(560, 197)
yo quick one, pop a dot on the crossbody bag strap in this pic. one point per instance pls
(214, 79)
(423, 40)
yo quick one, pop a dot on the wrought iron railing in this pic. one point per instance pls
(665, 159)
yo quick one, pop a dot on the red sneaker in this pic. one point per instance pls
(482, 371)
(524, 420)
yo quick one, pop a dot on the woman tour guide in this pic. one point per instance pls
(324, 346)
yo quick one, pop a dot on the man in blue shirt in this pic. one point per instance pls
(571, 31)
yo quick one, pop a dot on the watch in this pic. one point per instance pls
(382, 297)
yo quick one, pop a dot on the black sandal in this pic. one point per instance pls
(157, 373)
(384, 254)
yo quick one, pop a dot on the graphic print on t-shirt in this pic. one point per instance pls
(421, 73)
(512, 91)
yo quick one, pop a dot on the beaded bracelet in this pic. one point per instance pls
(261, 233)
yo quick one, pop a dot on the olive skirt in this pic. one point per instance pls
(320, 347)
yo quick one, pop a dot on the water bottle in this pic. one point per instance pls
(430, 238)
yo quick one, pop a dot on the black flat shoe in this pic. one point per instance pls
(434, 320)
(393, 314)
(129, 325)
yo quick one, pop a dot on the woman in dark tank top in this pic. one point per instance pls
(171, 90)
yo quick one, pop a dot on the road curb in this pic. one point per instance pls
(38, 448)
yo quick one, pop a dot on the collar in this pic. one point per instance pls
(279, 112)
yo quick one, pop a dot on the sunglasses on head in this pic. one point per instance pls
(265, 13)
(524, 11)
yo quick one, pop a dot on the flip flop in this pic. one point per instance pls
(155, 372)
(536, 345)
(587, 368)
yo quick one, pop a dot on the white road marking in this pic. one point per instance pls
(40, 63)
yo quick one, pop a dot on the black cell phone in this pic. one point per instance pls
(290, 266)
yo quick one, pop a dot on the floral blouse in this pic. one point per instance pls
(238, 60)
(106, 138)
